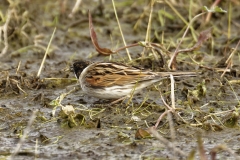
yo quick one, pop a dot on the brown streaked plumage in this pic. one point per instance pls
(110, 80)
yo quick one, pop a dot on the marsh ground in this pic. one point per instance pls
(207, 104)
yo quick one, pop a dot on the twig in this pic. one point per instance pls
(220, 148)
(5, 33)
(172, 132)
(45, 55)
(210, 13)
(169, 109)
(24, 136)
(181, 17)
(228, 61)
(129, 56)
(75, 8)
(18, 67)
(36, 149)
(201, 149)
(147, 39)
(161, 117)
(229, 19)
(171, 126)
(174, 56)
(127, 46)
(173, 135)
(235, 94)
(164, 141)
(172, 93)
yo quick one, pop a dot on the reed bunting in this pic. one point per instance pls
(109, 80)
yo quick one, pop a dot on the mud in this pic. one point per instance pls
(69, 124)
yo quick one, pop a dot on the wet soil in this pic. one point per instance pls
(69, 124)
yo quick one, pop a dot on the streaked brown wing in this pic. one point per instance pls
(110, 74)
(116, 79)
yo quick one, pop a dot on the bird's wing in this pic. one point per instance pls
(110, 74)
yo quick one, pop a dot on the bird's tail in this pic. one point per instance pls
(178, 74)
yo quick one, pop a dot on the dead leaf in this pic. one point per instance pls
(141, 133)
(103, 51)
(204, 35)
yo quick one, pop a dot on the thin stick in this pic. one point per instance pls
(168, 109)
(160, 118)
(172, 92)
(210, 13)
(36, 149)
(129, 56)
(181, 17)
(165, 142)
(19, 64)
(228, 61)
(24, 136)
(173, 58)
(45, 55)
(5, 35)
(170, 121)
(235, 94)
(147, 39)
(229, 19)
(172, 132)
(75, 8)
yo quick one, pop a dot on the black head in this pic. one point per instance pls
(78, 67)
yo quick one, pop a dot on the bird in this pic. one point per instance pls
(112, 80)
